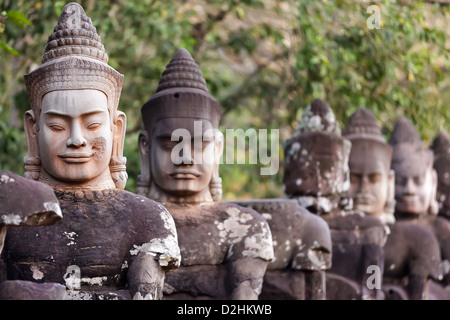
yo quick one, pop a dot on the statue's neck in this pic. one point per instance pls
(320, 205)
(103, 181)
(408, 216)
(158, 194)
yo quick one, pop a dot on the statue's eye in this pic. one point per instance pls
(418, 180)
(374, 177)
(56, 127)
(94, 125)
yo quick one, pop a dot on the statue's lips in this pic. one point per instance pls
(76, 157)
(408, 200)
(364, 200)
(185, 174)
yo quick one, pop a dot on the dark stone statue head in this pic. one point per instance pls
(181, 147)
(316, 156)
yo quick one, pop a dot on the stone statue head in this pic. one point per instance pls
(415, 177)
(181, 147)
(441, 148)
(371, 178)
(316, 156)
(75, 133)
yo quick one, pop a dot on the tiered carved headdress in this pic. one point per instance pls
(365, 134)
(317, 133)
(74, 59)
(181, 93)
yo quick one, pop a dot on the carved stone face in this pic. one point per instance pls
(316, 165)
(183, 179)
(414, 192)
(442, 167)
(370, 176)
(75, 138)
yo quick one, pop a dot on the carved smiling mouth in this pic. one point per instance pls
(76, 157)
(185, 174)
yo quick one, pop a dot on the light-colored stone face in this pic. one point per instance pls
(75, 138)
(184, 180)
(369, 183)
(413, 194)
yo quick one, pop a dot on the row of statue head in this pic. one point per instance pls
(75, 87)
(381, 177)
(335, 175)
(75, 135)
(75, 81)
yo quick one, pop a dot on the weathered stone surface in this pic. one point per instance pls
(27, 290)
(102, 233)
(342, 288)
(358, 242)
(441, 149)
(415, 194)
(24, 202)
(302, 249)
(112, 240)
(213, 238)
(317, 175)
(225, 247)
(411, 256)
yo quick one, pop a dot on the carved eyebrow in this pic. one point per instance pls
(57, 113)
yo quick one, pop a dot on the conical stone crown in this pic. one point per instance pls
(404, 132)
(363, 122)
(182, 72)
(441, 143)
(318, 116)
(74, 35)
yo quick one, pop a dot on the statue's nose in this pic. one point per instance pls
(76, 139)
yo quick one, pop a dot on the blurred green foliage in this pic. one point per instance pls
(264, 61)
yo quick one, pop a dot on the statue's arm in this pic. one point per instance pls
(145, 277)
(246, 275)
(417, 287)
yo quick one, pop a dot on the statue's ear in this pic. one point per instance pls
(215, 185)
(119, 131)
(118, 161)
(32, 161)
(434, 205)
(389, 208)
(219, 144)
(143, 184)
(391, 185)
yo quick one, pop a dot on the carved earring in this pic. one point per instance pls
(434, 205)
(215, 186)
(117, 165)
(143, 180)
(32, 161)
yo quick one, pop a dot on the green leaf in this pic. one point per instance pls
(17, 18)
(8, 48)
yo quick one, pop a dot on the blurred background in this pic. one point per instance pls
(263, 60)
